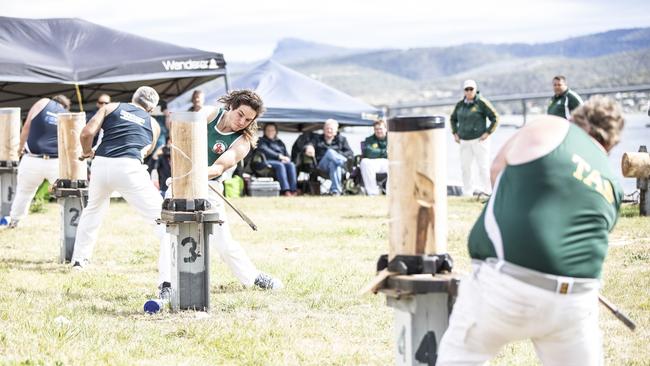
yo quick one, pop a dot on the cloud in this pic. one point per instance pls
(250, 32)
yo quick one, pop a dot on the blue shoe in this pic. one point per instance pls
(156, 305)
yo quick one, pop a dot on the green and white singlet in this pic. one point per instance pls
(552, 214)
(219, 142)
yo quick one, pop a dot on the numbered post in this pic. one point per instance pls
(9, 142)
(71, 189)
(190, 260)
(416, 275)
(188, 214)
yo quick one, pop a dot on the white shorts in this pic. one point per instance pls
(494, 309)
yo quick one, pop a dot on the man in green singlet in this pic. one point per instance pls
(232, 131)
(539, 245)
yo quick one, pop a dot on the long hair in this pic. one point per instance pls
(249, 98)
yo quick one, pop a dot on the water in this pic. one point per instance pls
(635, 134)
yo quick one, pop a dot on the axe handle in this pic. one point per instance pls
(241, 214)
(622, 317)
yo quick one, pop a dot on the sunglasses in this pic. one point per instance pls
(469, 89)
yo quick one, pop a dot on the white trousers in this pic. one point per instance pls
(126, 176)
(369, 169)
(221, 239)
(475, 151)
(31, 173)
(494, 309)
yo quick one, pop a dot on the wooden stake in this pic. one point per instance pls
(9, 134)
(376, 283)
(69, 130)
(189, 155)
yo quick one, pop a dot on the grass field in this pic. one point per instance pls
(324, 249)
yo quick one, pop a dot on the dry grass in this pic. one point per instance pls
(324, 249)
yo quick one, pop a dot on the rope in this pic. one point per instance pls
(81, 107)
(186, 157)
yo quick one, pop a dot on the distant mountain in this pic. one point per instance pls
(613, 58)
(292, 50)
(434, 62)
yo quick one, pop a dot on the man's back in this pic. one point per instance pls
(127, 130)
(553, 213)
(42, 138)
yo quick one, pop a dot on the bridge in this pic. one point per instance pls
(523, 97)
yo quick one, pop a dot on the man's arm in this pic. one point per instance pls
(33, 111)
(453, 122)
(345, 147)
(500, 160)
(155, 133)
(91, 129)
(491, 114)
(228, 159)
(574, 100)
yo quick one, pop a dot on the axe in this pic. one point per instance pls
(241, 214)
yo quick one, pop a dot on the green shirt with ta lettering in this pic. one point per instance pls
(552, 214)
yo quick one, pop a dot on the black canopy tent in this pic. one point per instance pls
(43, 57)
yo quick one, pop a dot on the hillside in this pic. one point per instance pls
(613, 58)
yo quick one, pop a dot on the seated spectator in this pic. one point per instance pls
(331, 151)
(375, 157)
(277, 156)
(299, 146)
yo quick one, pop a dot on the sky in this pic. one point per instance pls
(248, 30)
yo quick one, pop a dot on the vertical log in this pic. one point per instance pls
(9, 133)
(189, 155)
(417, 185)
(69, 130)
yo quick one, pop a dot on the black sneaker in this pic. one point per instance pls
(80, 265)
(165, 293)
(267, 282)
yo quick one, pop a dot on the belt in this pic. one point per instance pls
(43, 156)
(558, 284)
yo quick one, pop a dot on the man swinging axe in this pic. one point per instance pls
(232, 131)
(539, 245)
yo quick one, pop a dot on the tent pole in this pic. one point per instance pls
(225, 80)
(81, 107)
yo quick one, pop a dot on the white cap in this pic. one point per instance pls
(470, 84)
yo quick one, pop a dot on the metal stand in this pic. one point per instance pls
(423, 299)
(190, 225)
(72, 196)
(644, 196)
(8, 184)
